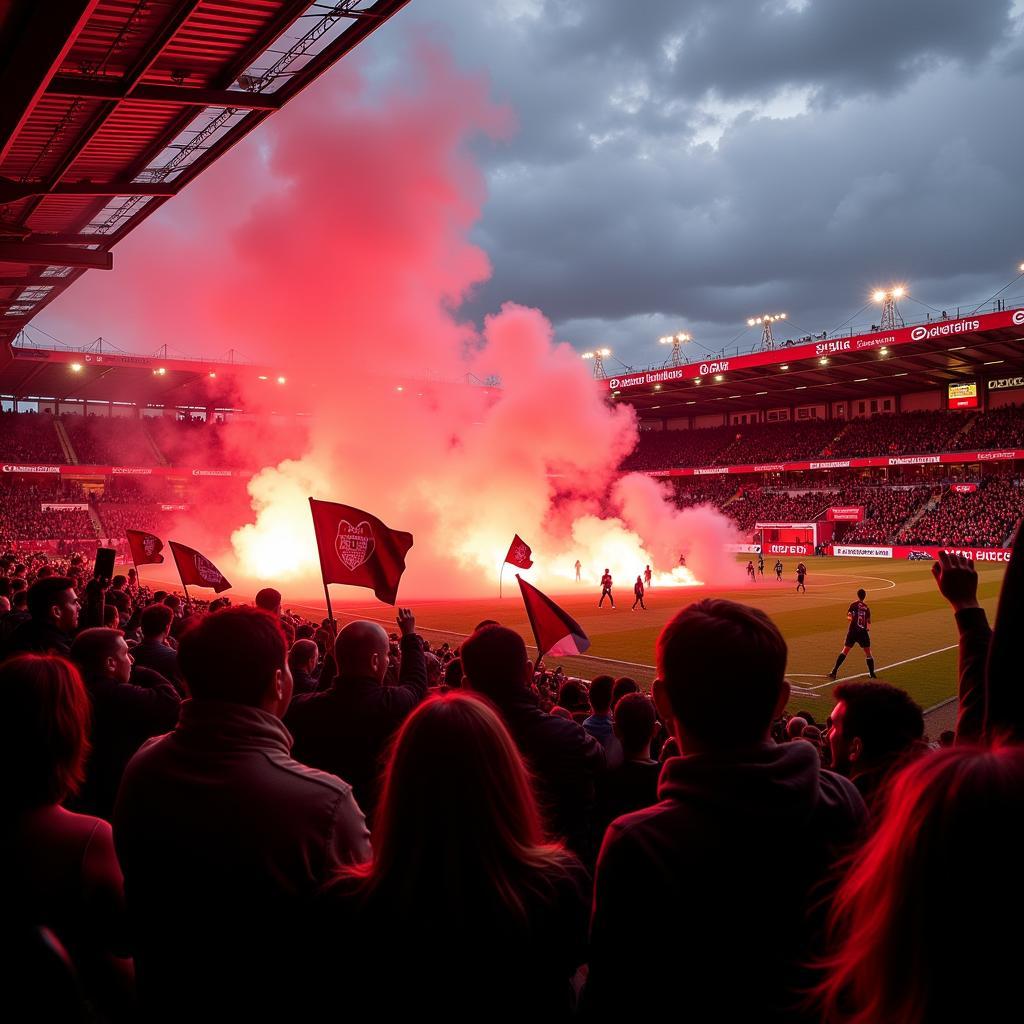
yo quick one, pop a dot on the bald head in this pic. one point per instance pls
(362, 650)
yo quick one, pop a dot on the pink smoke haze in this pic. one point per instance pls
(334, 244)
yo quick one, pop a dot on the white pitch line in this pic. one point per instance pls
(452, 632)
(863, 675)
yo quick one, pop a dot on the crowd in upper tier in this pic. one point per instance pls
(230, 813)
(908, 433)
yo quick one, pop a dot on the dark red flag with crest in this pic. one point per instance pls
(197, 570)
(519, 553)
(358, 549)
(146, 547)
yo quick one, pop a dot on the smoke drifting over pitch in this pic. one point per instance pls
(336, 246)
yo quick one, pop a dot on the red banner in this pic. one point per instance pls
(845, 514)
(964, 488)
(816, 349)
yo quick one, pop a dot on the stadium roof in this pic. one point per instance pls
(915, 358)
(111, 107)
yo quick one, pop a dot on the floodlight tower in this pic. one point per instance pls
(676, 341)
(598, 355)
(891, 318)
(766, 320)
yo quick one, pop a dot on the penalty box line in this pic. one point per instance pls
(863, 675)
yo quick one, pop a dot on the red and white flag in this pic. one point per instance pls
(146, 547)
(519, 553)
(196, 570)
(358, 549)
(555, 631)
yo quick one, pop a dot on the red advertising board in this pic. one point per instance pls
(964, 488)
(924, 552)
(80, 470)
(815, 350)
(945, 458)
(845, 514)
(789, 549)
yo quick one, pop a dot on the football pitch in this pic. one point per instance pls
(913, 634)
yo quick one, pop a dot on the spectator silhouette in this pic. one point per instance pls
(53, 618)
(566, 761)
(61, 867)
(345, 728)
(461, 866)
(124, 714)
(736, 850)
(224, 838)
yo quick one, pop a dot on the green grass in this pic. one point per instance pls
(910, 621)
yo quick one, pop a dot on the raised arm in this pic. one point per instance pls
(1004, 704)
(957, 580)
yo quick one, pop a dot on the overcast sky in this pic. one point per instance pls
(686, 165)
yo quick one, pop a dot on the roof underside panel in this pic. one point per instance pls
(121, 103)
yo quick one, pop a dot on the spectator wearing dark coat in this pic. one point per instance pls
(566, 761)
(302, 657)
(225, 839)
(53, 618)
(154, 651)
(344, 729)
(124, 713)
(735, 853)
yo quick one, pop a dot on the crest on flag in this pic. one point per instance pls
(354, 544)
(149, 544)
(519, 552)
(207, 570)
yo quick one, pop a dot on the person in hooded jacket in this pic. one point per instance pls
(738, 852)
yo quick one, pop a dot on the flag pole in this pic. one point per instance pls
(323, 575)
(500, 574)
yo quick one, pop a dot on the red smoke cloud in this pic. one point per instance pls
(335, 246)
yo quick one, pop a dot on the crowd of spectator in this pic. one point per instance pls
(22, 516)
(891, 434)
(216, 812)
(887, 509)
(29, 437)
(110, 440)
(983, 518)
(189, 441)
(999, 428)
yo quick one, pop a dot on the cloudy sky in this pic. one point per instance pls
(684, 165)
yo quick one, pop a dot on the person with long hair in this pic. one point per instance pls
(466, 908)
(61, 869)
(925, 924)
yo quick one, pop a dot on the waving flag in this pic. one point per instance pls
(358, 549)
(146, 547)
(519, 553)
(554, 630)
(197, 570)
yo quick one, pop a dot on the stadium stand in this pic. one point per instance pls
(29, 437)
(105, 440)
(983, 518)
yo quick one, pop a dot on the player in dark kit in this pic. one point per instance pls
(778, 569)
(638, 594)
(606, 589)
(859, 615)
(801, 573)
(760, 564)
